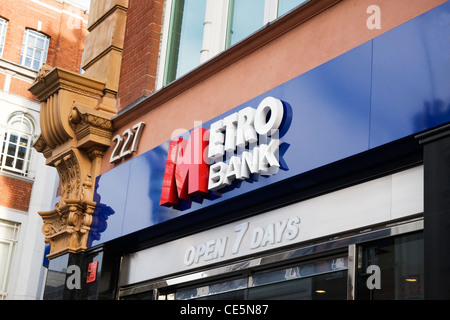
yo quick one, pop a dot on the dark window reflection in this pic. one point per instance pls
(400, 261)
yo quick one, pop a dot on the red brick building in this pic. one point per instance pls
(141, 51)
(32, 32)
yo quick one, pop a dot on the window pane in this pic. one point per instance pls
(287, 5)
(20, 122)
(12, 149)
(40, 43)
(212, 289)
(324, 279)
(31, 39)
(17, 144)
(19, 164)
(400, 261)
(24, 141)
(301, 271)
(330, 286)
(28, 62)
(232, 295)
(38, 55)
(185, 37)
(13, 138)
(22, 152)
(9, 162)
(36, 64)
(8, 230)
(29, 52)
(244, 18)
(34, 49)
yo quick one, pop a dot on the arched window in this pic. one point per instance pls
(16, 150)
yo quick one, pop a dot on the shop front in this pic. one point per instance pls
(321, 248)
(327, 186)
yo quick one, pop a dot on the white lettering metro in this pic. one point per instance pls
(240, 130)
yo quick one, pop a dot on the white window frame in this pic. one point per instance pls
(10, 243)
(4, 145)
(3, 28)
(215, 27)
(26, 45)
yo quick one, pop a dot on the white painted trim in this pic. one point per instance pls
(163, 46)
(7, 83)
(59, 10)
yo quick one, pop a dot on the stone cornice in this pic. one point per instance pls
(49, 80)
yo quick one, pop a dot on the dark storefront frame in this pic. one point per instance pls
(346, 245)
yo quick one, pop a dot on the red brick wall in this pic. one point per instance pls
(67, 36)
(66, 33)
(2, 80)
(141, 49)
(15, 193)
(68, 49)
(20, 87)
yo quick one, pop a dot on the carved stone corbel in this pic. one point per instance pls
(75, 133)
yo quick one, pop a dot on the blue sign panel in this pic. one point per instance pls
(391, 87)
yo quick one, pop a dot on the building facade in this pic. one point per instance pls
(219, 150)
(31, 33)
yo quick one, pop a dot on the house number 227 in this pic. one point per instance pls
(127, 142)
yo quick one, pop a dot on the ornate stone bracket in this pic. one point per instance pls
(75, 132)
(66, 228)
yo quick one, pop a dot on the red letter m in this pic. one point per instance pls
(186, 171)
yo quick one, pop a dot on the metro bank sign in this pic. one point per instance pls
(241, 146)
(347, 108)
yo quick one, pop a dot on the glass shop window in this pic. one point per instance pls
(320, 280)
(244, 17)
(17, 144)
(398, 262)
(185, 38)
(285, 6)
(324, 279)
(34, 49)
(247, 16)
(389, 268)
(196, 30)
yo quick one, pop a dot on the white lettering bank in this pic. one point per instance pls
(240, 146)
(248, 127)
